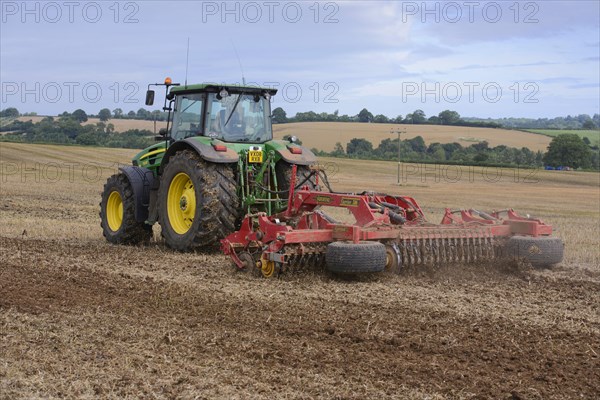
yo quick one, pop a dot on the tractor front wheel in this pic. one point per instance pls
(117, 213)
(198, 202)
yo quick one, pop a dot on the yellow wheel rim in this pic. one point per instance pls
(114, 211)
(390, 258)
(181, 203)
(267, 268)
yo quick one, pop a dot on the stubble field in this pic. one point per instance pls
(80, 318)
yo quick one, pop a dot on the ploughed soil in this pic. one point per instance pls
(85, 319)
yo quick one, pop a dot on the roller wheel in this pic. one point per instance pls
(117, 213)
(352, 258)
(541, 252)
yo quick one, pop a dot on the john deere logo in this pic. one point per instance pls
(324, 199)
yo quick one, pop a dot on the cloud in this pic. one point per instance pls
(498, 21)
(367, 50)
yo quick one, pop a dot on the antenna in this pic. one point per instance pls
(239, 61)
(187, 60)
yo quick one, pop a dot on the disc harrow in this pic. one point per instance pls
(303, 235)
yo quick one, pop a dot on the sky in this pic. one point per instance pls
(483, 59)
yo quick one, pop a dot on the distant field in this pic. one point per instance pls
(593, 135)
(121, 125)
(324, 135)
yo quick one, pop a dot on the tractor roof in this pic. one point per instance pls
(215, 87)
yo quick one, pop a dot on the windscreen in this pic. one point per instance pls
(239, 118)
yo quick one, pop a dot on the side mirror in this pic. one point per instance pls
(150, 97)
(162, 132)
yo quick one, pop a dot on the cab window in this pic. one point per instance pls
(187, 120)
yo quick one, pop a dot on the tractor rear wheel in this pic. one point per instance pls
(198, 202)
(352, 258)
(542, 252)
(304, 176)
(117, 213)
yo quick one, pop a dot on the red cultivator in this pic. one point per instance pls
(389, 232)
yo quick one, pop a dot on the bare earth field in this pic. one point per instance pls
(80, 318)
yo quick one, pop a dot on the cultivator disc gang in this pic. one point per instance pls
(390, 232)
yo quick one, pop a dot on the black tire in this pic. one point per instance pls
(283, 171)
(351, 258)
(129, 231)
(542, 251)
(217, 208)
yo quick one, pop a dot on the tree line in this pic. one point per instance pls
(103, 115)
(564, 150)
(446, 117)
(69, 130)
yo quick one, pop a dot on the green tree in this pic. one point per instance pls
(79, 115)
(397, 120)
(118, 112)
(418, 117)
(10, 112)
(104, 114)
(338, 150)
(589, 124)
(365, 116)
(448, 117)
(142, 113)
(434, 120)
(279, 116)
(568, 150)
(359, 146)
(480, 157)
(418, 144)
(381, 119)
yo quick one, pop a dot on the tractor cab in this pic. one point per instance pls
(228, 113)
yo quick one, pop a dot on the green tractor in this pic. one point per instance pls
(215, 162)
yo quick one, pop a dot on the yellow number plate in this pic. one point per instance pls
(255, 156)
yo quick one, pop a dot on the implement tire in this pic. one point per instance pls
(117, 213)
(351, 258)
(303, 174)
(541, 252)
(198, 202)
